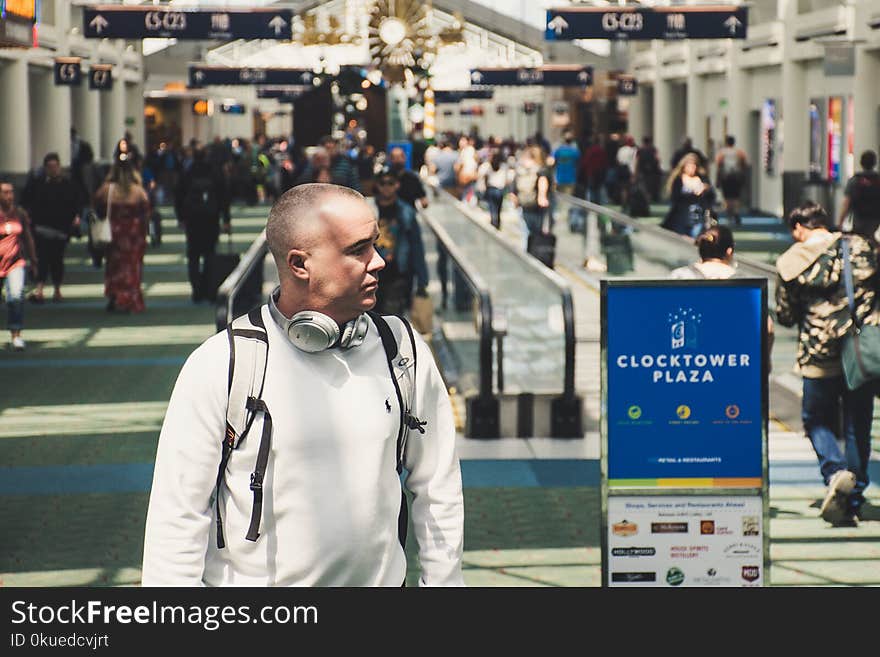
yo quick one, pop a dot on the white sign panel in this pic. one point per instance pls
(693, 541)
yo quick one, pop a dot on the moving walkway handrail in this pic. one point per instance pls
(227, 293)
(760, 269)
(478, 285)
(568, 391)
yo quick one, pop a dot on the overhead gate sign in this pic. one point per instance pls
(671, 23)
(127, 22)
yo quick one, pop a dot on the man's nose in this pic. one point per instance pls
(377, 263)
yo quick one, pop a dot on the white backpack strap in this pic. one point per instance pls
(249, 349)
(248, 353)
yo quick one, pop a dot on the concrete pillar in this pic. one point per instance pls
(664, 139)
(50, 113)
(696, 110)
(86, 113)
(737, 103)
(794, 155)
(134, 112)
(637, 117)
(865, 102)
(112, 116)
(15, 128)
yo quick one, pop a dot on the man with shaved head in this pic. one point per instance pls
(332, 505)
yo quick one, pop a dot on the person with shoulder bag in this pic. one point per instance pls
(826, 286)
(18, 255)
(125, 205)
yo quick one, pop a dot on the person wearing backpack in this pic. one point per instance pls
(200, 200)
(531, 191)
(862, 197)
(300, 478)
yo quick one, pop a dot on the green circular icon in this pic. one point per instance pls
(674, 576)
(634, 412)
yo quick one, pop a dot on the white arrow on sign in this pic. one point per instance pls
(583, 76)
(558, 24)
(306, 77)
(199, 76)
(278, 23)
(99, 23)
(732, 24)
(476, 76)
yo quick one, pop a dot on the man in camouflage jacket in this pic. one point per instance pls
(811, 293)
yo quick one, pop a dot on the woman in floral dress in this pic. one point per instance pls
(129, 208)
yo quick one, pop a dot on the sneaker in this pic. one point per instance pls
(834, 506)
(18, 343)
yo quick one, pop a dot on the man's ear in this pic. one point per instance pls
(296, 263)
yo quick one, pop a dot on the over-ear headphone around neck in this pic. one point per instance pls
(312, 331)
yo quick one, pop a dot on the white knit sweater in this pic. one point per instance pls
(331, 491)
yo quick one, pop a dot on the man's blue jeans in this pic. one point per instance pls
(829, 407)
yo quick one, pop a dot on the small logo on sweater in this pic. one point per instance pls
(387, 405)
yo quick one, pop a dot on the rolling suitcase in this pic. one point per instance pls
(638, 202)
(222, 264)
(543, 245)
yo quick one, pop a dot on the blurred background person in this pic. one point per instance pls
(731, 165)
(53, 203)
(17, 255)
(690, 196)
(124, 198)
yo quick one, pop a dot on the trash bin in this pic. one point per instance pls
(798, 186)
(617, 247)
(820, 190)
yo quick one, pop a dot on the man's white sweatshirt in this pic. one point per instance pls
(331, 491)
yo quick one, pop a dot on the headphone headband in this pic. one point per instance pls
(312, 331)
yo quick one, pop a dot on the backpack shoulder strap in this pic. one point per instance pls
(400, 354)
(248, 354)
(400, 351)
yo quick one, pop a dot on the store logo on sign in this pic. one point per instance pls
(683, 327)
(674, 576)
(750, 573)
(634, 412)
(732, 411)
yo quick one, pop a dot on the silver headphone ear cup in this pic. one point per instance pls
(347, 332)
(354, 333)
(312, 331)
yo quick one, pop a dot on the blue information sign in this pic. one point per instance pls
(685, 383)
(547, 76)
(672, 23)
(126, 22)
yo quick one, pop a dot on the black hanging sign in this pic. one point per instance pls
(68, 71)
(101, 77)
(127, 22)
(640, 24)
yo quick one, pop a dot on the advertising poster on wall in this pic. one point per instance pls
(816, 140)
(671, 541)
(850, 138)
(835, 136)
(684, 386)
(768, 135)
